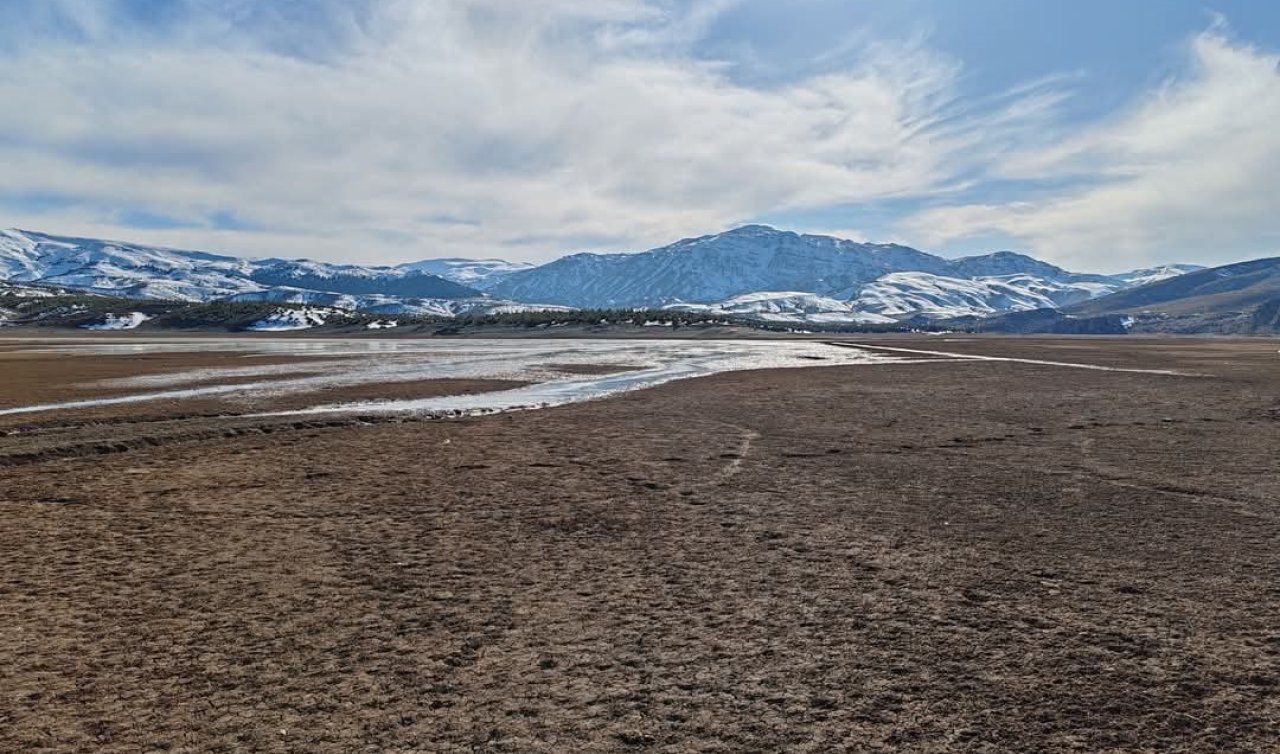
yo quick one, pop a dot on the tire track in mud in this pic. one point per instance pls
(110, 446)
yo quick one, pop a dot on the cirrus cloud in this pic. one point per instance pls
(387, 129)
(1187, 174)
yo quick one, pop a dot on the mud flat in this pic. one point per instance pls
(938, 554)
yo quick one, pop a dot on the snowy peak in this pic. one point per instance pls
(714, 268)
(749, 233)
(1008, 263)
(756, 230)
(480, 274)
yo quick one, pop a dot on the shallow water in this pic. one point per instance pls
(341, 363)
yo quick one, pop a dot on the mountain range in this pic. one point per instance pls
(751, 272)
(136, 271)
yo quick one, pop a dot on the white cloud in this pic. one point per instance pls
(543, 126)
(1189, 174)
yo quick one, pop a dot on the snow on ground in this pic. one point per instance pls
(903, 294)
(511, 307)
(384, 305)
(786, 306)
(282, 320)
(477, 273)
(23, 291)
(118, 322)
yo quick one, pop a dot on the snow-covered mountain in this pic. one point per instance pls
(905, 294)
(354, 279)
(900, 295)
(120, 269)
(754, 271)
(714, 268)
(136, 271)
(717, 269)
(481, 274)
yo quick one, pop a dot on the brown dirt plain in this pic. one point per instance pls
(942, 557)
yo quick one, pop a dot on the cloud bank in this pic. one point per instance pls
(388, 130)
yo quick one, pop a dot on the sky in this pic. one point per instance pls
(1099, 135)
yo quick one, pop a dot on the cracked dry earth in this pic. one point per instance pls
(941, 557)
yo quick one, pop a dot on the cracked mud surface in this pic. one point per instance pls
(976, 556)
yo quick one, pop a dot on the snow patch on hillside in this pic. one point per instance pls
(24, 291)
(1156, 274)
(394, 305)
(480, 274)
(127, 321)
(786, 306)
(282, 320)
(153, 272)
(905, 294)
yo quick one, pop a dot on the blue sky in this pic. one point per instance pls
(1099, 135)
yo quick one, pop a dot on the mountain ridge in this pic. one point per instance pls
(754, 258)
(753, 270)
(157, 272)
